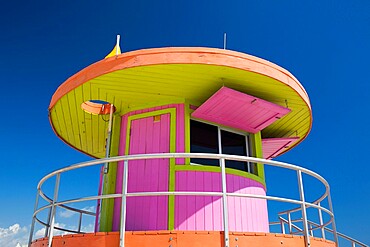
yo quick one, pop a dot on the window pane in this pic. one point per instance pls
(234, 144)
(203, 139)
(253, 168)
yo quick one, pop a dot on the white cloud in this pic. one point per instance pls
(14, 236)
(69, 213)
(17, 236)
(41, 232)
(88, 228)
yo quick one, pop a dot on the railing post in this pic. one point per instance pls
(48, 226)
(123, 204)
(282, 226)
(33, 218)
(290, 222)
(333, 220)
(225, 214)
(303, 208)
(321, 222)
(310, 228)
(80, 223)
(53, 210)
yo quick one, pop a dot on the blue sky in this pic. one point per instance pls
(325, 44)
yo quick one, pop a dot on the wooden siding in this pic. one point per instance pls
(148, 213)
(180, 147)
(205, 212)
(238, 110)
(272, 147)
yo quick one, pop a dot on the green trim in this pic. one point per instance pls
(204, 168)
(256, 145)
(152, 113)
(144, 115)
(257, 151)
(172, 174)
(109, 186)
(153, 105)
(187, 113)
(172, 144)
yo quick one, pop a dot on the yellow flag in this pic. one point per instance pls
(116, 50)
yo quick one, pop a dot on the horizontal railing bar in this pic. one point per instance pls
(300, 220)
(57, 228)
(317, 226)
(41, 222)
(181, 193)
(78, 210)
(82, 199)
(283, 200)
(342, 235)
(68, 230)
(67, 207)
(41, 209)
(174, 193)
(298, 209)
(186, 155)
(194, 155)
(277, 222)
(42, 194)
(294, 226)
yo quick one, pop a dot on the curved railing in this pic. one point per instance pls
(307, 228)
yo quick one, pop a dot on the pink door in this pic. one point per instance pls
(148, 135)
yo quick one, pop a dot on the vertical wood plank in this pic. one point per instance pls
(191, 201)
(181, 205)
(180, 131)
(199, 202)
(217, 203)
(208, 207)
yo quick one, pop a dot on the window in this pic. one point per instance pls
(206, 138)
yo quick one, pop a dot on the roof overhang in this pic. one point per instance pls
(134, 80)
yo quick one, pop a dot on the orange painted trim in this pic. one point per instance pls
(181, 55)
(181, 239)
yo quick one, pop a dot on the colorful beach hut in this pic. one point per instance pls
(183, 134)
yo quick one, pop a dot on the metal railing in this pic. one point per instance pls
(308, 225)
(312, 227)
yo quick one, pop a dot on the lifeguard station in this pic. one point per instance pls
(183, 136)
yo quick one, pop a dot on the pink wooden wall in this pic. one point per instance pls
(205, 212)
(191, 212)
(154, 133)
(148, 213)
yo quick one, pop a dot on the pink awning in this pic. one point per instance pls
(239, 110)
(272, 147)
